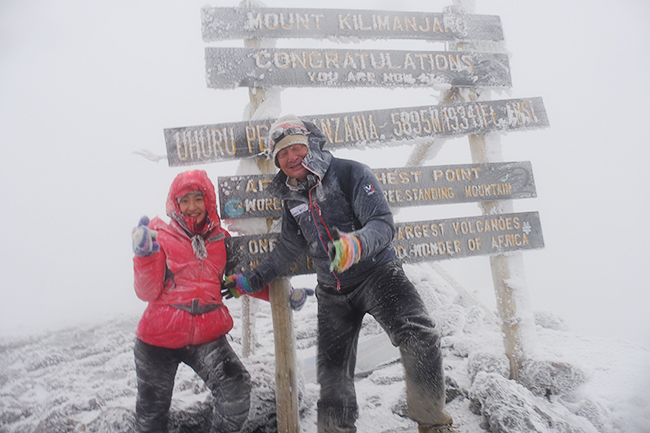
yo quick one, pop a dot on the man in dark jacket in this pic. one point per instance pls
(335, 211)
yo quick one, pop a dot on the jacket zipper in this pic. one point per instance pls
(313, 204)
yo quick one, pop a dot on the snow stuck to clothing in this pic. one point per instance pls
(83, 378)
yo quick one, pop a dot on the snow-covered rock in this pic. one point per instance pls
(83, 379)
(510, 408)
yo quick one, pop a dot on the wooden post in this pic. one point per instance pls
(518, 329)
(518, 344)
(514, 326)
(504, 268)
(248, 328)
(286, 390)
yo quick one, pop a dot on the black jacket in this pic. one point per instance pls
(340, 194)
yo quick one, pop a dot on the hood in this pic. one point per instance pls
(317, 160)
(195, 180)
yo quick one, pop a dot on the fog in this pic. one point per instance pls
(85, 85)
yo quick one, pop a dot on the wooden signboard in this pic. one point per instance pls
(244, 23)
(227, 141)
(325, 67)
(418, 241)
(248, 197)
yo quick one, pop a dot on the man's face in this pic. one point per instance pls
(290, 161)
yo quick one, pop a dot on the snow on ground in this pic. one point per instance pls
(83, 378)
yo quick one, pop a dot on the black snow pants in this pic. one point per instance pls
(215, 362)
(390, 297)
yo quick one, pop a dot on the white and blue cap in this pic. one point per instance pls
(285, 131)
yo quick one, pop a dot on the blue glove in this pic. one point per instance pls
(144, 239)
(298, 297)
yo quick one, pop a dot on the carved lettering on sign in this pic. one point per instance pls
(299, 67)
(247, 196)
(419, 241)
(238, 23)
(201, 144)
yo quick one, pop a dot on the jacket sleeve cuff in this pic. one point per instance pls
(254, 281)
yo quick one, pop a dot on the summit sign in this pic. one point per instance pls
(242, 23)
(315, 67)
(387, 127)
(248, 196)
(419, 241)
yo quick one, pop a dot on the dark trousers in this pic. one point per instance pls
(393, 301)
(215, 362)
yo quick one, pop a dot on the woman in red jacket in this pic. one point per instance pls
(178, 270)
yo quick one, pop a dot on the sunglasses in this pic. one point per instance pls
(280, 133)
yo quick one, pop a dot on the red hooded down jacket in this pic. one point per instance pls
(176, 276)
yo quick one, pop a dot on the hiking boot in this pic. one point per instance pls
(440, 428)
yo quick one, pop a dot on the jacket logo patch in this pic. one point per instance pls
(299, 209)
(369, 189)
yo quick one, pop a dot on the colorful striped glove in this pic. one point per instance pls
(344, 251)
(235, 286)
(144, 239)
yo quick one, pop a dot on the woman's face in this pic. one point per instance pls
(193, 205)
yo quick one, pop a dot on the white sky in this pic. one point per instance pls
(84, 84)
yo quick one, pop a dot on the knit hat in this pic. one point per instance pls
(285, 131)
